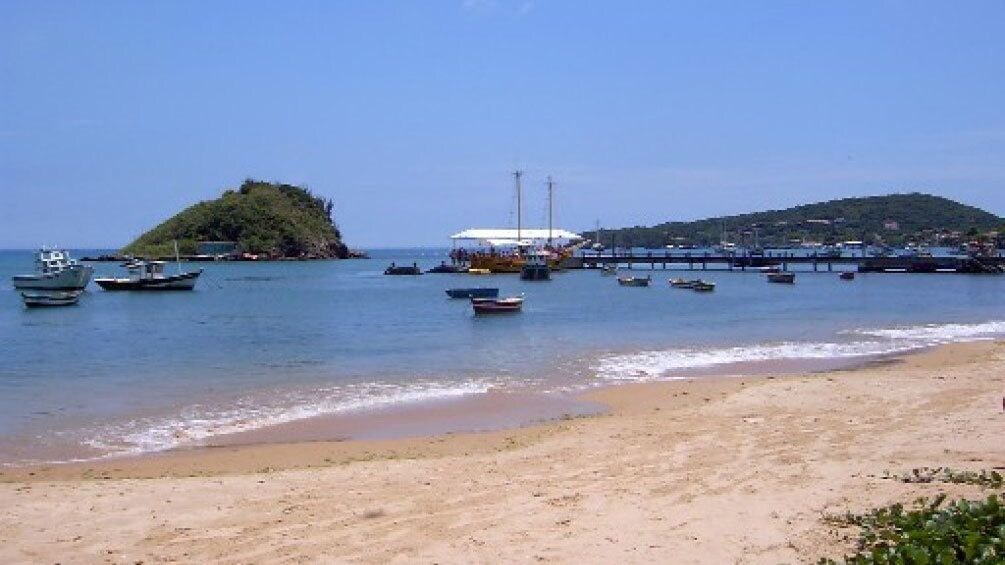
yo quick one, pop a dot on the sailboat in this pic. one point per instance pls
(536, 268)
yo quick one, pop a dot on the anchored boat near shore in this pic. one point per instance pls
(149, 275)
(54, 270)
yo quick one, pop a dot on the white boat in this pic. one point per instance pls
(55, 270)
(43, 298)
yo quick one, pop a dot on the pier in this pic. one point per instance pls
(704, 261)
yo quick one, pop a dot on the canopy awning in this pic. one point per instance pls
(527, 235)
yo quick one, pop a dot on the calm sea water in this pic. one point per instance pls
(261, 343)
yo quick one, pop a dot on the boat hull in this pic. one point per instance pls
(496, 306)
(535, 272)
(185, 281)
(48, 299)
(75, 277)
(634, 282)
(782, 278)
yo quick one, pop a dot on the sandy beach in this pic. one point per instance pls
(711, 470)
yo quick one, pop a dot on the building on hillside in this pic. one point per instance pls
(891, 225)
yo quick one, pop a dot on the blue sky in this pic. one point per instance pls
(411, 115)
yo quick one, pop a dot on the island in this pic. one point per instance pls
(258, 220)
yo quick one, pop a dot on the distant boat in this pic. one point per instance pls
(497, 305)
(54, 270)
(149, 275)
(634, 281)
(396, 270)
(536, 268)
(782, 277)
(847, 276)
(681, 283)
(481, 292)
(608, 269)
(702, 286)
(43, 298)
(479, 272)
(443, 267)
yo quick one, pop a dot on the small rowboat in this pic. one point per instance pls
(702, 286)
(41, 299)
(497, 305)
(608, 270)
(634, 281)
(481, 292)
(847, 276)
(782, 277)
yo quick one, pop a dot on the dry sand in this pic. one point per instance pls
(738, 470)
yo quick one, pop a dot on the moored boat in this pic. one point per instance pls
(782, 277)
(702, 286)
(609, 269)
(54, 270)
(480, 292)
(149, 275)
(634, 281)
(407, 270)
(473, 271)
(681, 283)
(46, 298)
(443, 267)
(536, 268)
(847, 276)
(497, 305)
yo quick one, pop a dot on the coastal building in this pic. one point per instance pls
(891, 225)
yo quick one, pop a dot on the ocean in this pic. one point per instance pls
(258, 344)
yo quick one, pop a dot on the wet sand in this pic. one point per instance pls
(709, 470)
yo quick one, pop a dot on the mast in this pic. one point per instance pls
(519, 207)
(177, 258)
(551, 196)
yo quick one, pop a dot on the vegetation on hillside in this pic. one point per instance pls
(895, 219)
(276, 220)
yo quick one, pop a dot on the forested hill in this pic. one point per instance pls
(277, 220)
(893, 219)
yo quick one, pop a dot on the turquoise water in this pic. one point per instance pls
(261, 343)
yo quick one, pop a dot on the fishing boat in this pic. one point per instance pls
(782, 277)
(682, 283)
(497, 305)
(536, 267)
(608, 270)
(54, 270)
(702, 286)
(634, 281)
(480, 292)
(149, 275)
(474, 271)
(407, 270)
(47, 298)
(847, 276)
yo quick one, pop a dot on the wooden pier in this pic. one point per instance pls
(701, 261)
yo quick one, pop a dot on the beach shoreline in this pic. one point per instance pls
(722, 469)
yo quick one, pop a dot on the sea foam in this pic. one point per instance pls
(657, 364)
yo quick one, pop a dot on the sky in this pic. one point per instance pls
(412, 115)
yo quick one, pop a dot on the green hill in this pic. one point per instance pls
(894, 219)
(278, 220)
